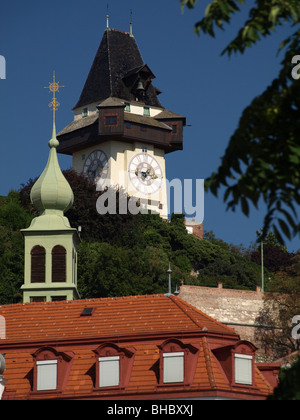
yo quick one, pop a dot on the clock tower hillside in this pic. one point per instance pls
(121, 132)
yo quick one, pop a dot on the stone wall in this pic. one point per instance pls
(239, 309)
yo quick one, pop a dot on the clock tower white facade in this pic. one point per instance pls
(121, 133)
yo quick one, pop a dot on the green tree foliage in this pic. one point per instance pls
(289, 384)
(262, 160)
(276, 256)
(281, 304)
(123, 254)
(13, 217)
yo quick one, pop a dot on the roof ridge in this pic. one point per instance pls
(263, 378)
(208, 363)
(80, 301)
(193, 309)
(179, 303)
(109, 63)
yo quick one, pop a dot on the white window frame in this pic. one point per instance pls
(109, 371)
(243, 369)
(46, 375)
(173, 367)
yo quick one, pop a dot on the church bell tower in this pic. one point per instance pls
(121, 133)
(50, 241)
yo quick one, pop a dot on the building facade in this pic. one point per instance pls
(121, 133)
(138, 347)
(50, 242)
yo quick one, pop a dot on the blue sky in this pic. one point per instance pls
(38, 37)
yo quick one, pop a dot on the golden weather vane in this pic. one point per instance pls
(54, 87)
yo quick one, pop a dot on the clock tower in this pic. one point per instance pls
(121, 133)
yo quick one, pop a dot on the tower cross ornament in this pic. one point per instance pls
(54, 87)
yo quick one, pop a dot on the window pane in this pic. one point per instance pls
(109, 371)
(243, 369)
(59, 264)
(46, 375)
(173, 367)
(111, 120)
(38, 264)
(146, 111)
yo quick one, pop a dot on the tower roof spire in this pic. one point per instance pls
(52, 194)
(107, 17)
(131, 33)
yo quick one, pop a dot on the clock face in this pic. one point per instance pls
(145, 173)
(96, 167)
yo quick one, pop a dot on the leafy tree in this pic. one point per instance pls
(12, 218)
(276, 257)
(262, 160)
(289, 384)
(95, 227)
(280, 307)
(122, 254)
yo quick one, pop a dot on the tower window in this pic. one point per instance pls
(174, 128)
(127, 107)
(58, 264)
(38, 263)
(111, 120)
(37, 299)
(85, 112)
(147, 111)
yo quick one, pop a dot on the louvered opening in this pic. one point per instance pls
(58, 264)
(38, 264)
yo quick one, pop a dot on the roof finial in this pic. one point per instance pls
(54, 104)
(131, 34)
(107, 17)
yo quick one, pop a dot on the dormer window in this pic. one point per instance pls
(177, 363)
(51, 370)
(46, 375)
(243, 369)
(113, 368)
(173, 367)
(109, 371)
(237, 362)
(146, 111)
(127, 107)
(111, 120)
(85, 112)
(174, 128)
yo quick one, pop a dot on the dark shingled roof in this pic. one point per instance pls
(116, 70)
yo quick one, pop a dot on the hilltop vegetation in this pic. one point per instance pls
(124, 254)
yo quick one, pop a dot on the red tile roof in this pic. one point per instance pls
(111, 317)
(142, 323)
